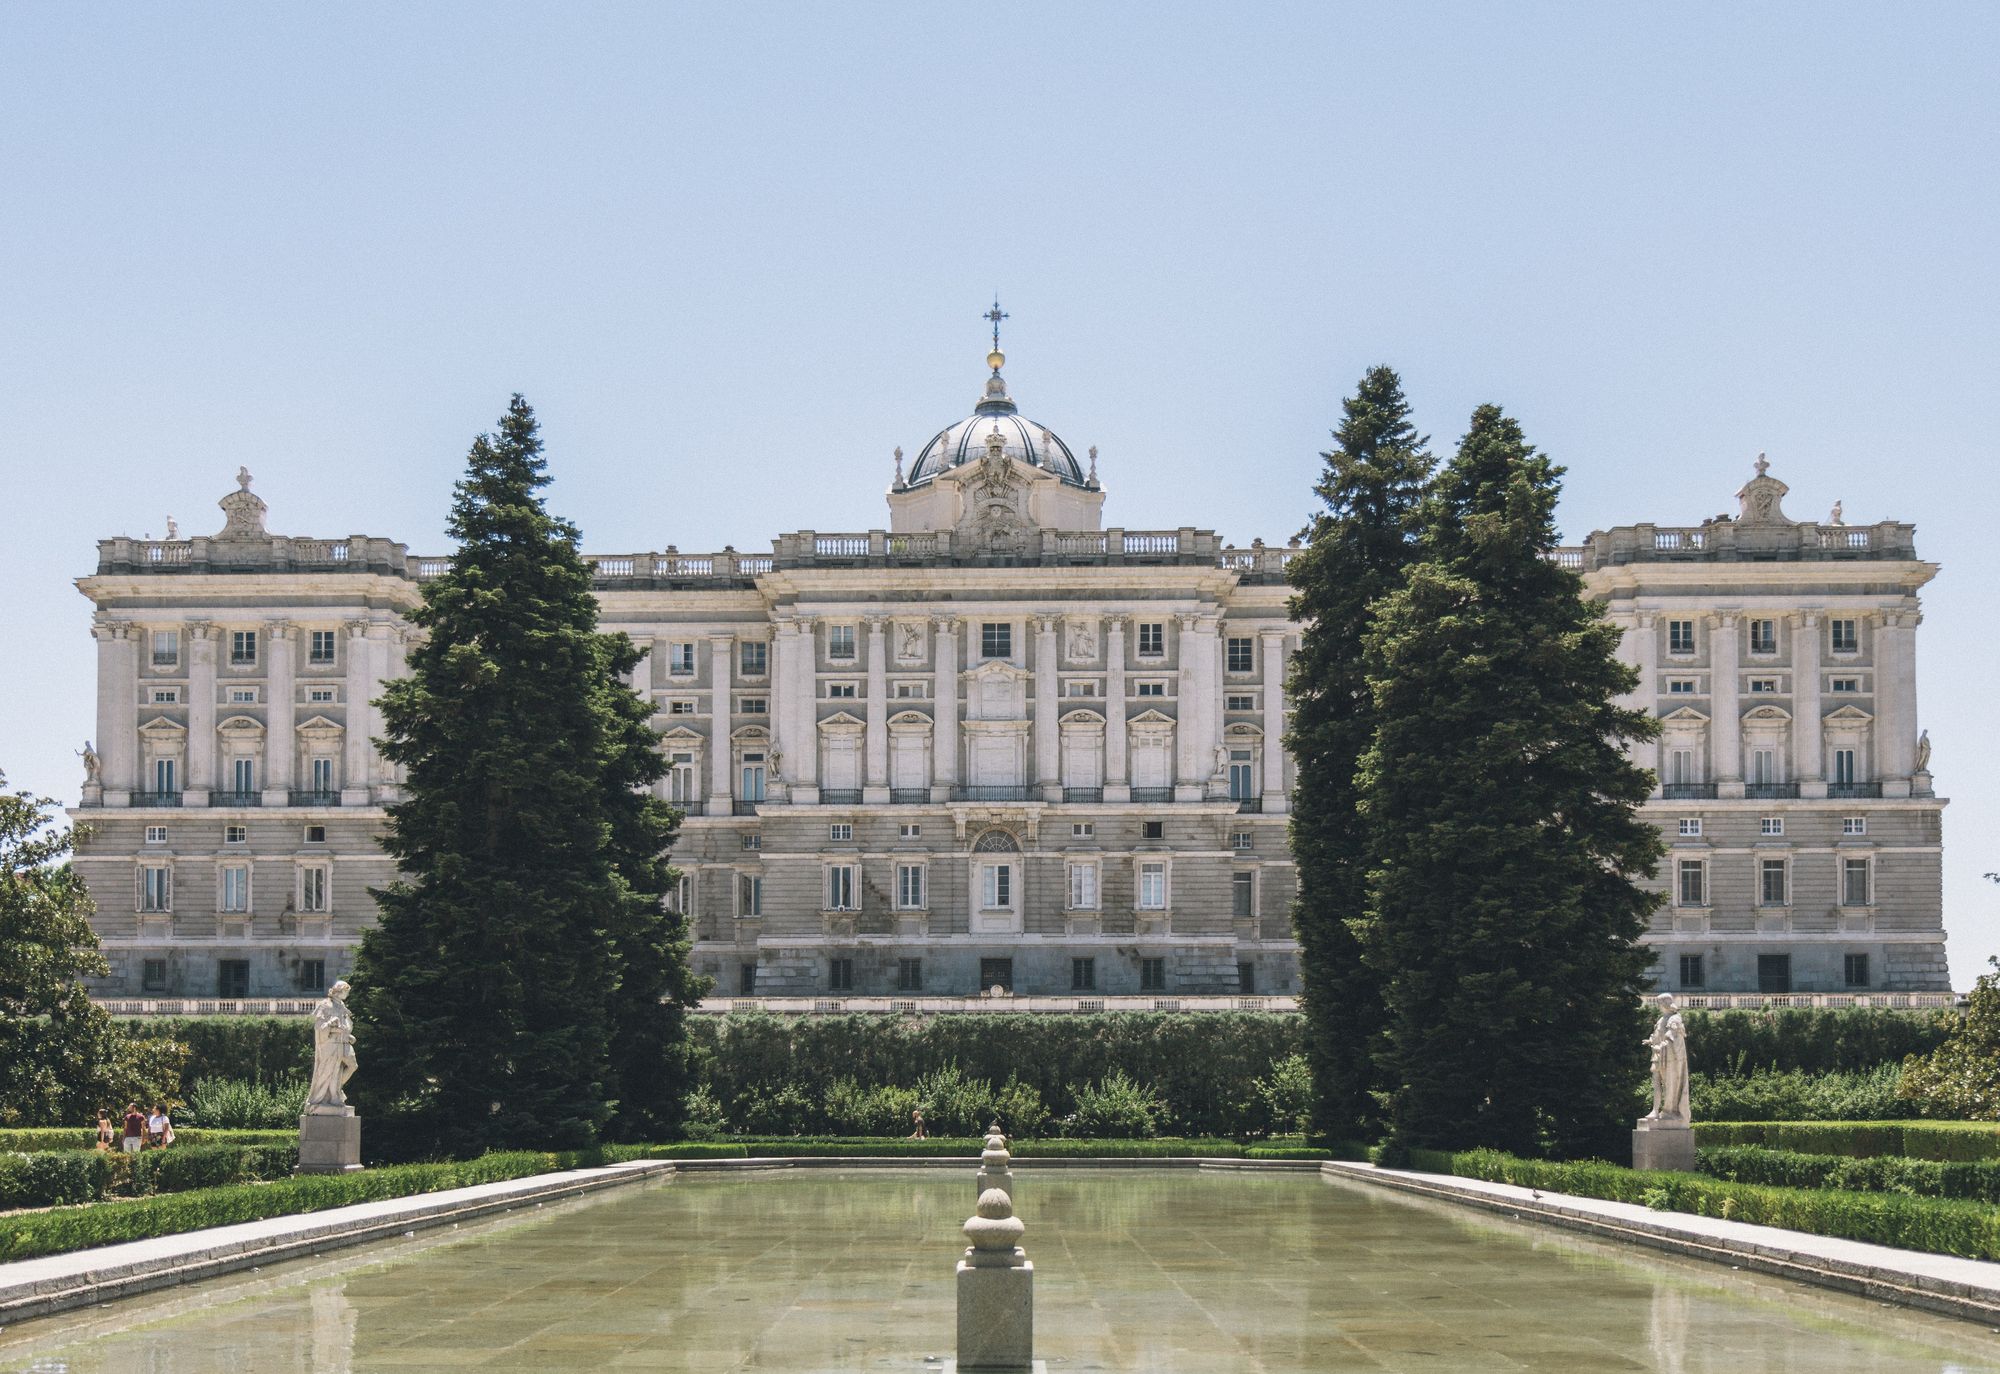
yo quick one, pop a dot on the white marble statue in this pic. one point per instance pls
(1670, 1065)
(91, 763)
(333, 1052)
(1924, 752)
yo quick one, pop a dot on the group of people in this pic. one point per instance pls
(143, 1130)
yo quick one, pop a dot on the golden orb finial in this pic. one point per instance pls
(996, 360)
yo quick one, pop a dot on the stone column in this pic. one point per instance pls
(784, 648)
(721, 716)
(201, 642)
(1194, 741)
(117, 712)
(1640, 647)
(1726, 725)
(1896, 701)
(875, 778)
(944, 707)
(380, 640)
(1277, 797)
(1808, 745)
(281, 686)
(802, 753)
(357, 754)
(1117, 787)
(1048, 748)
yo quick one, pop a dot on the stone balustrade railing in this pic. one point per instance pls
(1724, 541)
(263, 553)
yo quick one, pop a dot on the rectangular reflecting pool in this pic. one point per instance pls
(1136, 1270)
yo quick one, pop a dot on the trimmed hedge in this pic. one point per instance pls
(1976, 1181)
(968, 1148)
(1941, 1226)
(1811, 1040)
(1945, 1141)
(32, 1139)
(51, 1178)
(261, 1049)
(1791, 1095)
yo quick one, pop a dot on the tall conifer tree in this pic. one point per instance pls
(503, 994)
(1359, 547)
(1504, 914)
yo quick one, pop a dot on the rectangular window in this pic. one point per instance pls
(996, 886)
(1843, 768)
(163, 776)
(1083, 975)
(166, 696)
(1080, 689)
(1082, 830)
(320, 694)
(235, 834)
(243, 647)
(1153, 975)
(322, 775)
(1854, 882)
(1152, 830)
(313, 888)
(910, 886)
(1680, 686)
(243, 696)
(749, 894)
(1243, 894)
(1692, 973)
(1152, 689)
(840, 641)
(1770, 825)
(840, 830)
(156, 889)
(752, 789)
(840, 887)
(1774, 973)
(909, 830)
(751, 840)
(1241, 783)
(1763, 636)
(746, 979)
(680, 894)
(1771, 885)
(166, 648)
(1083, 887)
(232, 978)
(1847, 684)
(996, 973)
(315, 834)
(1690, 825)
(753, 657)
(756, 706)
(1153, 639)
(1241, 656)
(1152, 887)
(1680, 636)
(842, 691)
(1846, 636)
(1246, 976)
(1240, 840)
(996, 639)
(912, 691)
(312, 975)
(1240, 702)
(243, 775)
(680, 660)
(1763, 684)
(1854, 825)
(156, 834)
(1694, 883)
(1763, 766)
(235, 888)
(153, 975)
(1855, 969)
(909, 975)
(683, 707)
(840, 975)
(1680, 766)
(321, 650)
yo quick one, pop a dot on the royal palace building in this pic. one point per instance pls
(996, 744)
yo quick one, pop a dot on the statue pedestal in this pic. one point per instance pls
(996, 1317)
(1663, 1145)
(329, 1141)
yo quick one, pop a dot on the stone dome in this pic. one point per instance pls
(1022, 439)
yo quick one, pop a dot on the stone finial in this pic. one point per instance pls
(244, 510)
(899, 467)
(1093, 466)
(1837, 517)
(1759, 500)
(993, 1164)
(995, 1233)
(1763, 465)
(243, 478)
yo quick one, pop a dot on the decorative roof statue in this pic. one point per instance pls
(91, 763)
(1924, 752)
(173, 529)
(244, 509)
(1760, 497)
(899, 467)
(1091, 481)
(1835, 518)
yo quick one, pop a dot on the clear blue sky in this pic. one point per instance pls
(735, 254)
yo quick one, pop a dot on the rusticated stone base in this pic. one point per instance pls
(329, 1143)
(1663, 1147)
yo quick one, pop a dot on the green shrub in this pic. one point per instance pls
(1975, 1181)
(1281, 1102)
(1938, 1225)
(1784, 1095)
(52, 1178)
(186, 1167)
(1961, 1077)
(1116, 1105)
(245, 1104)
(31, 1139)
(1811, 1040)
(259, 1049)
(1946, 1141)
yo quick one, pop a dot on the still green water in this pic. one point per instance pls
(1136, 1270)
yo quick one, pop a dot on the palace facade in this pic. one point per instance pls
(997, 744)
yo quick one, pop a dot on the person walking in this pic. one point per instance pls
(160, 1127)
(917, 1120)
(104, 1131)
(134, 1138)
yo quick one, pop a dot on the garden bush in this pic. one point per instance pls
(1938, 1225)
(1975, 1181)
(244, 1103)
(260, 1049)
(53, 1177)
(1947, 1141)
(183, 1167)
(1811, 1040)
(30, 1139)
(1115, 1106)
(1788, 1095)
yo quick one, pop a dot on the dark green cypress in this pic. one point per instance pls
(488, 995)
(1504, 912)
(1359, 547)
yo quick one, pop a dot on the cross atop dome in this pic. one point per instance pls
(996, 358)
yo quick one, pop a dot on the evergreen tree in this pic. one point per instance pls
(492, 994)
(61, 1056)
(1504, 915)
(1359, 548)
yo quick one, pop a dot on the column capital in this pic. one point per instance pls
(1808, 618)
(1727, 619)
(1645, 620)
(109, 631)
(1187, 620)
(357, 629)
(721, 636)
(200, 629)
(1046, 624)
(1115, 624)
(278, 629)
(944, 624)
(1269, 635)
(877, 625)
